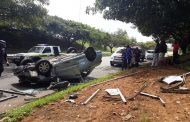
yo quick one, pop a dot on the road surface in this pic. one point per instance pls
(9, 81)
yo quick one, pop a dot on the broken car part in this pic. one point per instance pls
(172, 79)
(12, 92)
(153, 96)
(91, 97)
(122, 97)
(73, 96)
(138, 92)
(112, 92)
(7, 98)
(59, 85)
(18, 91)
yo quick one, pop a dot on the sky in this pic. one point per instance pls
(75, 10)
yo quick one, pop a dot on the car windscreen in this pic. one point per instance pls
(119, 51)
(36, 50)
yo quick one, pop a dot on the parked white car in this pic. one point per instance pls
(149, 54)
(116, 57)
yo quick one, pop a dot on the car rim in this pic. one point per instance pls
(44, 67)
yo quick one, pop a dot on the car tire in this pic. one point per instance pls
(112, 64)
(72, 50)
(26, 61)
(90, 53)
(43, 67)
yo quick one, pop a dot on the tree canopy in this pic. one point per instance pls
(158, 18)
(22, 13)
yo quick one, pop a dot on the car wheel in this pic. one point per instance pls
(90, 53)
(43, 67)
(26, 61)
(112, 64)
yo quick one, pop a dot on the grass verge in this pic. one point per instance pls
(20, 112)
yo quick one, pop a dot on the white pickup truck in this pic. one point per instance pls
(34, 54)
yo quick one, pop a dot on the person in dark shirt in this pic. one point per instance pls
(162, 49)
(124, 60)
(137, 56)
(156, 54)
(3, 55)
(128, 56)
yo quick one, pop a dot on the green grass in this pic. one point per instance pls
(20, 112)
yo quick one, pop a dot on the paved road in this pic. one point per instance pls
(9, 81)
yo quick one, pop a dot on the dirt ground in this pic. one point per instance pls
(101, 109)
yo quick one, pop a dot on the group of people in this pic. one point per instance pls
(130, 57)
(159, 52)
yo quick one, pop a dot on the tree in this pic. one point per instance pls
(158, 18)
(22, 13)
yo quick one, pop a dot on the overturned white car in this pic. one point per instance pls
(65, 67)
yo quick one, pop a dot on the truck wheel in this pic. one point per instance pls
(26, 61)
(90, 53)
(43, 67)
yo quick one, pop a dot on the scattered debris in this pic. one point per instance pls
(7, 98)
(153, 96)
(112, 92)
(73, 96)
(59, 85)
(172, 79)
(70, 100)
(177, 88)
(12, 92)
(29, 94)
(91, 97)
(122, 97)
(138, 92)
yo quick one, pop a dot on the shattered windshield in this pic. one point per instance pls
(36, 50)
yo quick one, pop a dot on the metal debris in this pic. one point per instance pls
(59, 85)
(70, 100)
(138, 92)
(112, 92)
(122, 97)
(12, 92)
(91, 97)
(172, 79)
(153, 96)
(7, 98)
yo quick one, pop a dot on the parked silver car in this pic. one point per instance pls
(65, 67)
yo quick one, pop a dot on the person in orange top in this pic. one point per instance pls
(175, 52)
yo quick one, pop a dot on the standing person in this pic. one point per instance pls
(128, 56)
(124, 60)
(162, 49)
(137, 56)
(3, 55)
(156, 55)
(175, 52)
